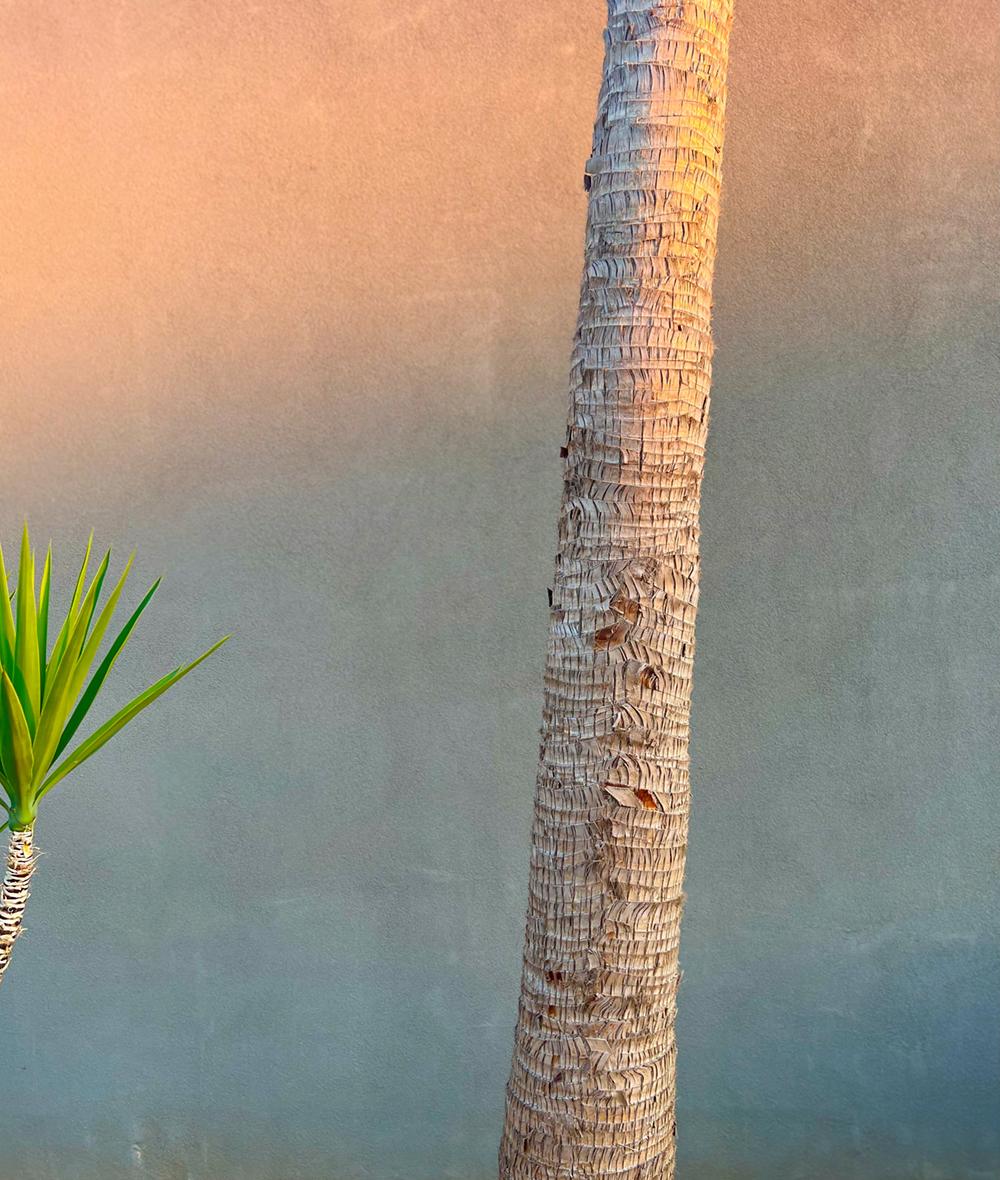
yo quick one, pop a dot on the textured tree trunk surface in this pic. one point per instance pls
(14, 892)
(591, 1091)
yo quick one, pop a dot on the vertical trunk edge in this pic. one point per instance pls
(592, 1084)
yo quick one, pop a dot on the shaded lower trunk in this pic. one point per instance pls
(14, 893)
(592, 1086)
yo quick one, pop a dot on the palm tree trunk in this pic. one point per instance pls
(21, 860)
(591, 1091)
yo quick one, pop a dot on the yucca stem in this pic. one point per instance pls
(14, 894)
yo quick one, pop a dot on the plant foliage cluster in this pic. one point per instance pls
(45, 694)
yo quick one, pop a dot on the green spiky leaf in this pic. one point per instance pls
(18, 758)
(26, 644)
(96, 634)
(94, 687)
(74, 605)
(76, 634)
(7, 628)
(43, 621)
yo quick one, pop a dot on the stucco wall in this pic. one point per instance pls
(287, 297)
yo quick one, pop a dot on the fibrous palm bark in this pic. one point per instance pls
(592, 1087)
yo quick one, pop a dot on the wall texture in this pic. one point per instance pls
(287, 295)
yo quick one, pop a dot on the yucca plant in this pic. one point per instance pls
(45, 697)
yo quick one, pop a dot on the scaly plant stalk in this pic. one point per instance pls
(46, 695)
(14, 893)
